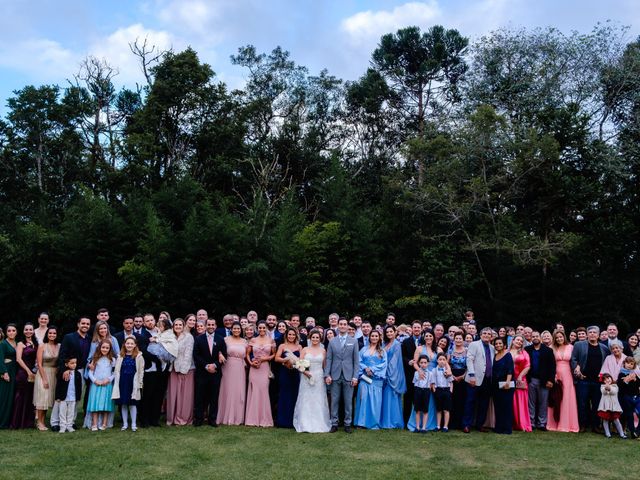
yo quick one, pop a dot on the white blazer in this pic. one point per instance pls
(476, 361)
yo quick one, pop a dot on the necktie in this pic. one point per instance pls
(416, 340)
(487, 355)
(210, 341)
(342, 340)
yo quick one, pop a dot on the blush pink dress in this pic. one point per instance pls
(233, 393)
(258, 413)
(568, 421)
(521, 420)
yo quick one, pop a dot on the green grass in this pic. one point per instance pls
(252, 453)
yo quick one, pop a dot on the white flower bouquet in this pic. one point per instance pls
(302, 365)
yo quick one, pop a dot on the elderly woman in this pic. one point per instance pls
(613, 363)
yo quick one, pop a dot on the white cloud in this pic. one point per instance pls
(39, 58)
(364, 27)
(194, 16)
(116, 51)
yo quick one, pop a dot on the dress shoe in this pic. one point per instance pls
(348, 429)
(466, 430)
(334, 429)
(542, 429)
(195, 424)
(213, 424)
(55, 428)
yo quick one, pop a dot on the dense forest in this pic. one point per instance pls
(500, 175)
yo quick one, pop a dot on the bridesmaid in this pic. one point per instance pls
(395, 384)
(521, 365)
(260, 352)
(564, 418)
(180, 389)
(43, 325)
(26, 352)
(458, 362)
(7, 374)
(45, 387)
(233, 389)
(429, 349)
(502, 396)
(373, 364)
(289, 378)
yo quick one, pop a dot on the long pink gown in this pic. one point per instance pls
(233, 393)
(258, 413)
(569, 406)
(521, 420)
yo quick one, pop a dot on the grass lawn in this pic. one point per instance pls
(252, 453)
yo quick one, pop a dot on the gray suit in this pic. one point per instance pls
(342, 366)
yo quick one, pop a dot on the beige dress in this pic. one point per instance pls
(43, 398)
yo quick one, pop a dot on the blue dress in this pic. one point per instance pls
(289, 382)
(127, 374)
(100, 395)
(432, 420)
(458, 362)
(502, 399)
(369, 401)
(394, 387)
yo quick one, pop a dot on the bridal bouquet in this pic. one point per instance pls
(302, 365)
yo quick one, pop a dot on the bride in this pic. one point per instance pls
(312, 409)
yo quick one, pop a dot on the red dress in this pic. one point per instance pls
(521, 419)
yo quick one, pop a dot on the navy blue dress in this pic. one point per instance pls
(289, 381)
(127, 372)
(503, 399)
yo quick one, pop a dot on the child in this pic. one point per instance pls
(68, 392)
(441, 383)
(421, 394)
(609, 408)
(128, 382)
(101, 385)
(165, 345)
(628, 389)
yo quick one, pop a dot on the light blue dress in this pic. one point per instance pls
(116, 351)
(432, 420)
(369, 401)
(394, 387)
(100, 395)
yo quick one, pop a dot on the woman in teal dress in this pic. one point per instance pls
(394, 384)
(429, 349)
(371, 375)
(7, 374)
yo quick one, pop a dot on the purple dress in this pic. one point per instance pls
(23, 410)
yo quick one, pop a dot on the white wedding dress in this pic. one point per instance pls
(312, 409)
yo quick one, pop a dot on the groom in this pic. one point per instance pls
(340, 372)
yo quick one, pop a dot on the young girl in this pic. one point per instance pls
(165, 345)
(128, 382)
(421, 394)
(609, 408)
(628, 389)
(101, 385)
(441, 383)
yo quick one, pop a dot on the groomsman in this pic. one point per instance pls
(225, 329)
(408, 349)
(208, 350)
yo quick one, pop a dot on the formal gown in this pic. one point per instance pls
(233, 389)
(521, 419)
(369, 396)
(23, 411)
(43, 398)
(125, 382)
(311, 413)
(568, 420)
(432, 419)
(394, 387)
(7, 389)
(502, 399)
(289, 382)
(100, 395)
(458, 362)
(258, 413)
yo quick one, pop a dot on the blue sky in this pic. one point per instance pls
(43, 41)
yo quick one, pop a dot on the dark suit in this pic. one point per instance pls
(62, 385)
(207, 384)
(587, 390)
(538, 391)
(71, 348)
(408, 348)
(222, 332)
(120, 337)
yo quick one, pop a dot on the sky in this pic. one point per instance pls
(44, 41)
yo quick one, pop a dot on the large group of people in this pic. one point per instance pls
(351, 373)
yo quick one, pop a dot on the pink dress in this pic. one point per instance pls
(258, 412)
(521, 420)
(568, 421)
(233, 393)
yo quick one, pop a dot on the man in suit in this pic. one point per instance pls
(341, 370)
(587, 358)
(540, 377)
(408, 349)
(155, 378)
(478, 377)
(225, 329)
(127, 331)
(208, 352)
(75, 345)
